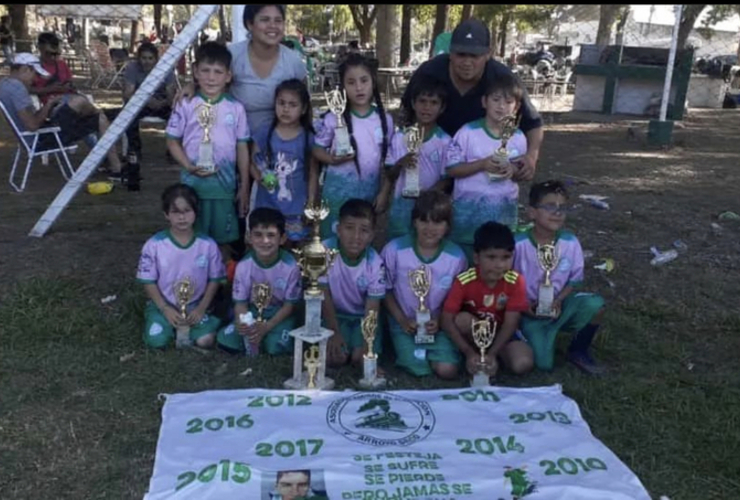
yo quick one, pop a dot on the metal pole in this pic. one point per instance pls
(671, 61)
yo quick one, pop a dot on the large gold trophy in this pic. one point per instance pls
(483, 335)
(370, 379)
(420, 284)
(413, 137)
(206, 118)
(337, 101)
(314, 259)
(548, 258)
(508, 127)
(183, 290)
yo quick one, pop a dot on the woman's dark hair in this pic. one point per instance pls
(175, 191)
(147, 47)
(297, 86)
(352, 61)
(251, 11)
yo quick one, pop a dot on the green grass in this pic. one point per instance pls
(77, 422)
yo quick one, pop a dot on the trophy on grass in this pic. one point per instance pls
(508, 127)
(314, 259)
(370, 379)
(206, 119)
(483, 336)
(413, 137)
(337, 101)
(312, 364)
(548, 259)
(420, 283)
(261, 296)
(183, 291)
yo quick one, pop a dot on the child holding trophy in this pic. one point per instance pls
(208, 137)
(267, 285)
(490, 291)
(181, 272)
(354, 284)
(419, 271)
(551, 260)
(417, 156)
(479, 159)
(353, 141)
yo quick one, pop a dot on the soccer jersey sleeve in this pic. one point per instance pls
(575, 279)
(389, 255)
(243, 134)
(177, 122)
(242, 279)
(325, 134)
(293, 287)
(376, 280)
(216, 268)
(456, 150)
(397, 149)
(147, 271)
(518, 295)
(454, 301)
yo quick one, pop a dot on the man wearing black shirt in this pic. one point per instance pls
(465, 71)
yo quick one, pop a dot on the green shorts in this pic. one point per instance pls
(158, 332)
(217, 219)
(578, 310)
(276, 342)
(416, 358)
(349, 325)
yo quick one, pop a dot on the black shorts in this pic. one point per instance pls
(73, 127)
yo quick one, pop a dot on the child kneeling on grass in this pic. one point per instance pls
(175, 255)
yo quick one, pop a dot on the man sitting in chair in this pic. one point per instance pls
(61, 110)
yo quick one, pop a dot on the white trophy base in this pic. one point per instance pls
(411, 188)
(299, 380)
(480, 379)
(182, 340)
(372, 383)
(342, 145)
(205, 157)
(370, 379)
(302, 384)
(421, 337)
(545, 298)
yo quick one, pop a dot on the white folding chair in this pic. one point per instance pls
(30, 146)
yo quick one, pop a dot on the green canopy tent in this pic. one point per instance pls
(442, 43)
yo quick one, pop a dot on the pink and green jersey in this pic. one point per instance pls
(432, 162)
(165, 262)
(230, 128)
(568, 272)
(476, 199)
(283, 276)
(342, 181)
(351, 283)
(401, 257)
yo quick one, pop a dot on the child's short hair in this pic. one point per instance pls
(175, 191)
(431, 86)
(213, 53)
(434, 206)
(267, 217)
(493, 235)
(508, 84)
(539, 191)
(359, 209)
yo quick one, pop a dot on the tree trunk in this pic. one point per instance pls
(364, 17)
(440, 22)
(607, 16)
(688, 18)
(406, 13)
(467, 12)
(158, 19)
(504, 29)
(19, 26)
(386, 34)
(134, 35)
(493, 28)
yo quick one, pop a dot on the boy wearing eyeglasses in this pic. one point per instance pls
(576, 312)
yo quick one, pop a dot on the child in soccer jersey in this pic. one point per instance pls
(490, 291)
(175, 255)
(483, 186)
(428, 98)
(443, 260)
(354, 284)
(229, 136)
(577, 312)
(265, 263)
(370, 130)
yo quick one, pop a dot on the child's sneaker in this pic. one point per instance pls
(585, 363)
(117, 176)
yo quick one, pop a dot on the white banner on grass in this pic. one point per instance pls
(473, 444)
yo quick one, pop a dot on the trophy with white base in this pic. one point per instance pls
(483, 336)
(183, 290)
(337, 101)
(206, 119)
(548, 259)
(420, 283)
(314, 259)
(508, 127)
(370, 379)
(413, 137)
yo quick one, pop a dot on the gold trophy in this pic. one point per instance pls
(312, 363)
(548, 259)
(314, 260)
(483, 336)
(413, 137)
(261, 298)
(337, 101)
(183, 290)
(206, 119)
(370, 379)
(420, 283)
(508, 127)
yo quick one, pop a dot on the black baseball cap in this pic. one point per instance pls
(471, 37)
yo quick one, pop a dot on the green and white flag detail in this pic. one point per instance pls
(454, 444)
